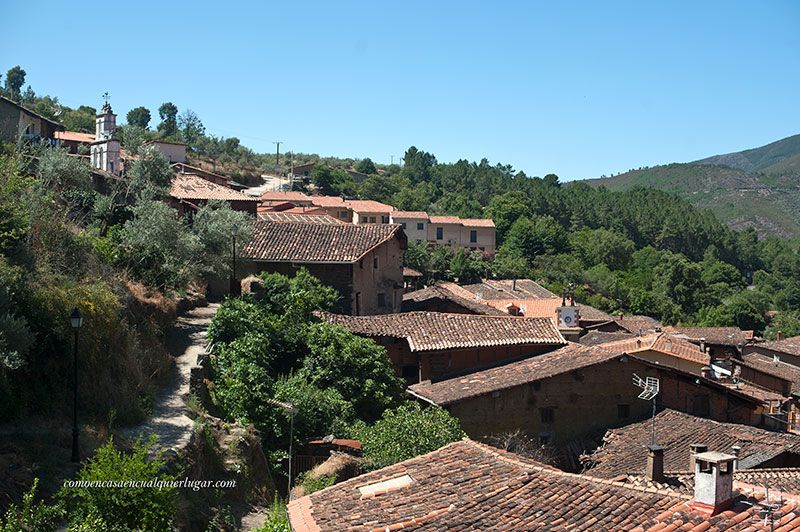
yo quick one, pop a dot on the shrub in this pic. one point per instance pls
(128, 508)
(406, 432)
(277, 519)
(32, 515)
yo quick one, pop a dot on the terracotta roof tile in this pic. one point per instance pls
(638, 324)
(289, 196)
(312, 240)
(663, 343)
(769, 365)
(410, 214)
(422, 297)
(505, 289)
(477, 222)
(434, 331)
(790, 346)
(74, 136)
(569, 358)
(623, 449)
(471, 486)
(303, 217)
(328, 201)
(600, 338)
(541, 307)
(445, 220)
(193, 187)
(369, 206)
(730, 336)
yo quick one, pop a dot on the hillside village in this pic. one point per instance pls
(536, 402)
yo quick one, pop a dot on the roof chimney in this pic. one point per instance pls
(707, 373)
(655, 463)
(514, 284)
(703, 345)
(713, 482)
(779, 336)
(736, 450)
(695, 449)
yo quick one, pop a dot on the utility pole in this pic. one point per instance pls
(392, 156)
(278, 143)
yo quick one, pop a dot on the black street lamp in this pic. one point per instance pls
(236, 288)
(75, 320)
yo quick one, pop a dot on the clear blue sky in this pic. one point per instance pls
(575, 88)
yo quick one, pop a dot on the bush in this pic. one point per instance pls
(34, 516)
(277, 519)
(406, 432)
(128, 508)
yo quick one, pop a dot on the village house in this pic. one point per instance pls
(175, 152)
(370, 212)
(720, 342)
(74, 142)
(430, 345)
(18, 123)
(632, 324)
(467, 485)
(784, 349)
(768, 372)
(622, 450)
(362, 262)
(189, 192)
(469, 233)
(577, 390)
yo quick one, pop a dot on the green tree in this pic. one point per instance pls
(366, 166)
(140, 117)
(787, 323)
(192, 129)
(322, 176)
(601, 246)
(358, 368)
(158, 248)
(169, 122)
(468, 266)
(32, 515)
(505, 209)
(123, 508)
(15, 79)
(540, 235)
(80, 119)
(150, 174)
(406, 432)
(58, 171)
(212, 225)
(320, 411)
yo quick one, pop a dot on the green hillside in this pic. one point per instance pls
(757, 188)
(781, 156)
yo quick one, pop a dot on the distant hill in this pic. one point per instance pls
(757, 188)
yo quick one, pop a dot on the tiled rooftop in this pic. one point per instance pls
(569, 358)
(74, 136)
(728, 336)
(445, 292)
(769, 365)
(623, 450)
(319, 218)
(790, 346)
(421, 215)
(193, 187)
(434, 331)
(369, 206)
(663, 343)
(508, 289)
(470, 486)
(635, 324)
(285, 196)
(309, 241)
(546, 308)
(600, 338)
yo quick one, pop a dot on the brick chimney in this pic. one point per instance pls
(655, 463)
(695, 449)
(713, 482)
(779, 336)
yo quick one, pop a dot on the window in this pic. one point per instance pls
(623, 411)
(403, 225)
(111, 166)
(381, 299)
(384, 219)
(363, 219)
(372, 219)
(358, 303)
(547, 415)
(343, 215)
(473, 236)
(420, 226)
(701, 406)
(439, 233)
(375, 262)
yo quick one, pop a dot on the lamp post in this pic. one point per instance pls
(75, 320)
(235, 286)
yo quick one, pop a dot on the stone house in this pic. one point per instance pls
(175, 152)
(784, 349)
(576, 391)
(364, 263)
(188, 192)
(18, 123)
(719, 342)
(432, 345)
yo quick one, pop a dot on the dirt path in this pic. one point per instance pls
(169, 420)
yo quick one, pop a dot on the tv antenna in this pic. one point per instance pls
(768, 509)
(650, 388)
